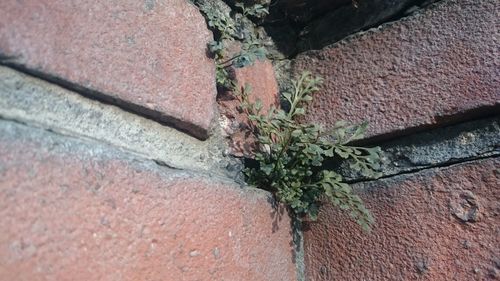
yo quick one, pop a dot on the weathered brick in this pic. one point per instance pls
(148, 56)
(438, 224)
(262, 81)
(431, 68)
(74, 210)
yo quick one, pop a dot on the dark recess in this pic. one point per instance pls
(300, 25)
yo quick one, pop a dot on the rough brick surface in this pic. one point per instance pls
(440, 224)
(149, 56)
(427, 69)
(71, 210)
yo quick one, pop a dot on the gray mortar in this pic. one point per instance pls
(33, 101)
(50, 143)
(439, 147)
(298, 243)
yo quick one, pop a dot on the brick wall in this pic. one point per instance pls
(429, 86)
(114, 163)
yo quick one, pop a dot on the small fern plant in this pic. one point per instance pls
(290, 154)
(227, 28)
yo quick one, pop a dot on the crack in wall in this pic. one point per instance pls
(147, 113)
(129, 154)
(465, 142)
(43, 104)
(438, 166)
(86, 139)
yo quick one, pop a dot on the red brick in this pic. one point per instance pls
(431, 68)
(76, 211)
(264, 87)
(426, 229)
(149, 56)
(260, 77)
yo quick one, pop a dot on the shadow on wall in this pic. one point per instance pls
(300, 25)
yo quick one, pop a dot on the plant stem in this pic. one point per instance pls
(229, 60)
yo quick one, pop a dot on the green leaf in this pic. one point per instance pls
(258, 105)
(341, 153)
(307, 98)
(360, 130)
(296, 133)
(300, 111)
(247, 88)
(287, 96)
(215, 46)
(316, 163)
(267, 169)
(260, 53)
(243, 60)
(328, 152)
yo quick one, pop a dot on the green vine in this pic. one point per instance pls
(291, 154)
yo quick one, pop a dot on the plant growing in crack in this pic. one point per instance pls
(257, 10)
(291, 154)
(228, 28)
